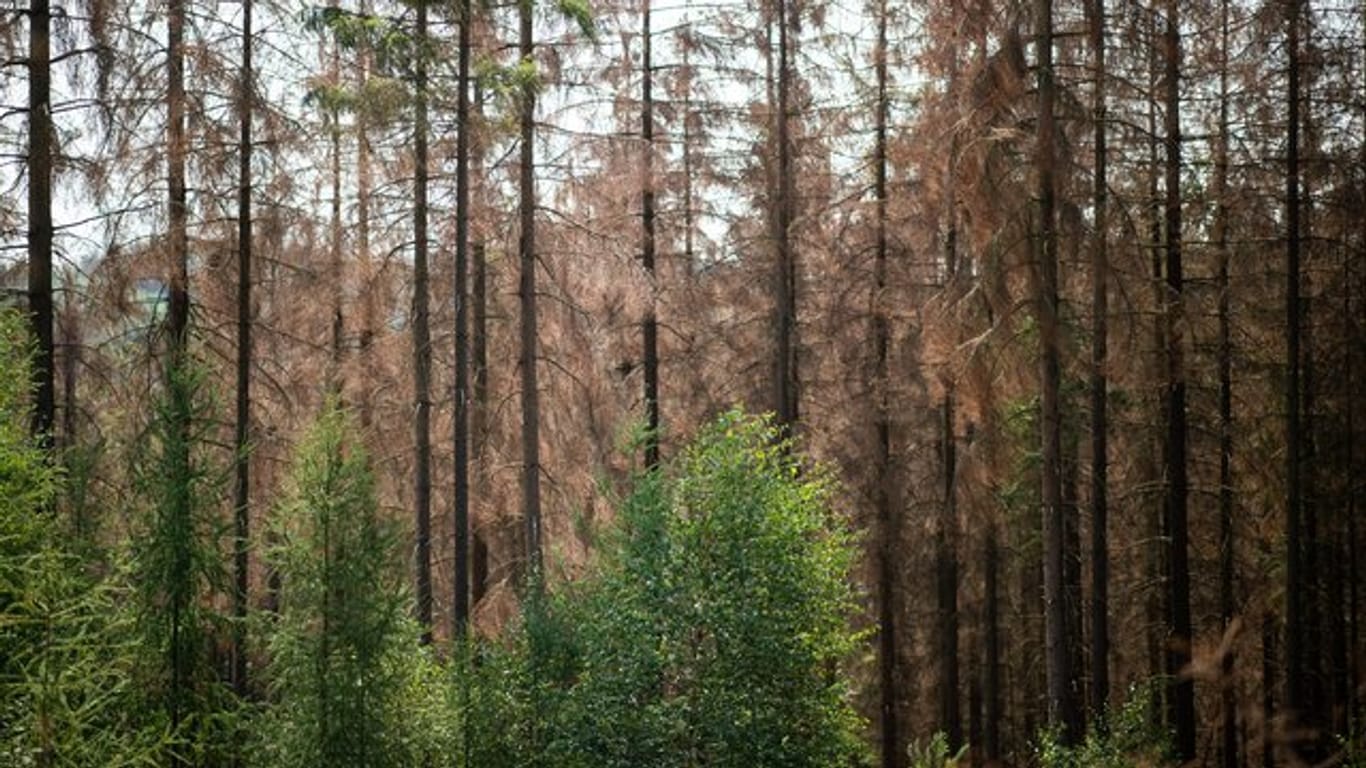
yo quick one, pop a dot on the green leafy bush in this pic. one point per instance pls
(1126, 739)
(67, 649)
(711, 632)
(347, 679)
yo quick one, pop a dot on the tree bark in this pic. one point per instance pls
(1100, 267)
(460, 604)
(242, 419)
(888, 521)
(526, 249)
(1227, 606)
(950, 710)
(991, 694)
(649, 327)
(40, 231)
(786, 397)
(1062, 705)
(1181, 702)
(422, 343)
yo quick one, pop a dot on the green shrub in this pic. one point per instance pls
(1125, 739)
(343, 658)
(67, 649)
(711, 632)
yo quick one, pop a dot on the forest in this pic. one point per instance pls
(682, 383)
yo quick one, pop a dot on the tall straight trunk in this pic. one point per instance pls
(649, 327)
(1227, 606)
(526, 250)
(1063, 709)
(1268, 690)
(1296, 666)
(460, 603)
(178, 311)
(1157, 519)
(991, 693)
(1181, 703)
(422, 343)
(689, 215)
(888, 521)
(242, 419)
(1100, 460)
(40, 217)
(946, 569)
(366, 271)
(336, 377)
(479, 344)
(786, 397)
(974, 708)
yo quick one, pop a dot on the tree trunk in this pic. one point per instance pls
(1268, 690)
(1062, 705)
(1227, 606)
(242, 419)
(1100, 267)
(991, 694)
(786, 397)
(526, 249)
(888, 521)
(649, 328)
(422, 343)
(40, 230)
(1181, 703)
(946, 569)
(460, 604)
(1296, 579)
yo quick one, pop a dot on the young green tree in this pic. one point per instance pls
(339, 648)
(66, 650)
(712, 633)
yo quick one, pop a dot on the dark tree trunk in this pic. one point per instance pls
(40, 307)
(242, 419)
(1227, 606)
(479, 343)
(1181, 702)
(888, 521)
(786, 396)
(1296, 578)
(1100, 267)
(460, 603)
(991, 694)
(1063, 709)
(649, 328)
(178, 311)
(526, 249)
(946, 569)
(1268, 690)
(422, 343)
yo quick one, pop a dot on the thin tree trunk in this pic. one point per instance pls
(888, 520)
(460, 604)
(40, 217)
(991, 738)
(786, 397)
(1062, 706)
(1100, 466)
(526, 248)
(366, 270)
(178, 312)
(422, 343)
(242, 420)
(1268, 690)
(1229, 702)
(479, 343)
(950, 711)
(1296, 667)
(649, 327)
(1182, 701)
